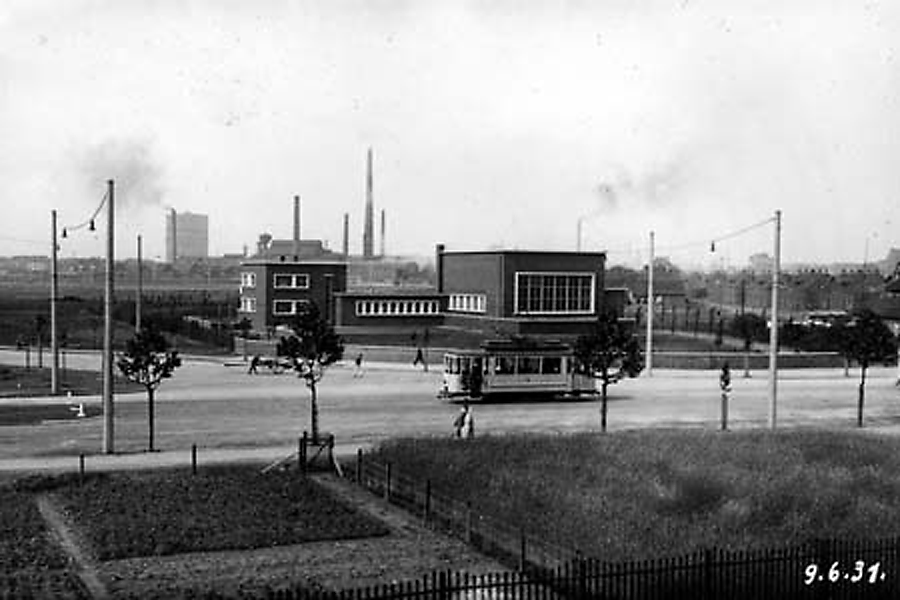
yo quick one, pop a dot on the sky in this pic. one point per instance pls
(493, 123)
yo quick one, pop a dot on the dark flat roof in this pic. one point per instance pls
(392, 292)
(299, 262)
(547, 252)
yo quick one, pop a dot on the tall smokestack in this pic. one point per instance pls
(173, 236)
(346, 246)
(382, 233)
(368, 227)
(296, 225)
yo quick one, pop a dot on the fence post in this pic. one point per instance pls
(81, 469)
(708, 570)
(724, 411)
(301, 452)
(442, 585)
(359, 460)
(387, 482)
(193, 459)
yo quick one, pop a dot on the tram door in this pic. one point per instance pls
(471, 375)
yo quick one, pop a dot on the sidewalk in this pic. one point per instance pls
(159, 460)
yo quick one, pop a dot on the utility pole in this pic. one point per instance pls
(578, 240)
(140, 286)
(54, 292)
(773, 328)
(108, 421)
(649, 350)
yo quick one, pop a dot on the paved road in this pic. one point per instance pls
(259, 417)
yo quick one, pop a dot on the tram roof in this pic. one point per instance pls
(525, 345)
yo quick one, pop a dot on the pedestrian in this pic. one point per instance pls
(420, 358)
(358, 370)
(468, 428)
(254, 362)
(460, 420)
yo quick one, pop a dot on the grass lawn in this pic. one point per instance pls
(643, 494)
(225, 508)
(19, 381)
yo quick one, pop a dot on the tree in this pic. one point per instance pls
(866, 339)
(148, 360)
(313, 347)
(609, 353)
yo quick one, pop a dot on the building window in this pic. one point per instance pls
(391, 308)
(284, 307)
(554, 293)
(298, 281)
(248, 280)
(248, 305)
(467, 303)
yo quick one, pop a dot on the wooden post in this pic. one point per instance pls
(387, 482)
(194, 459)
(359, 464)
(301, 452)
(724, 411)
(81, 469)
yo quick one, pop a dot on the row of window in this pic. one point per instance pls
(387, 308)
(554, 293)
(286, 307)
(248, 280)
(293, 281)
(298, 281)
(509, 365)
(248, 305)
(467, 303)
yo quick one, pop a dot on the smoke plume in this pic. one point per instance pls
(133, 167)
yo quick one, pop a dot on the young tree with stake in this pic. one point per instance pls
(313, 347)
(148, 360)
(609, 353)
(866, 339)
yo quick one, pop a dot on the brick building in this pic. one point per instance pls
(509, 292)
(273, 291)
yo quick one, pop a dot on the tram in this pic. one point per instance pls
(515, 367)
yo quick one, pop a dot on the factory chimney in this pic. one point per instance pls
(382, 233)
(368, 227)
(346, 246)
(296, 226)
(172, 237)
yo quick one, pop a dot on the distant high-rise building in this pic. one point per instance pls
(187, 236)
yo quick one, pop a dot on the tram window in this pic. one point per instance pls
(551, 365)
(504, 365)
(529, 364)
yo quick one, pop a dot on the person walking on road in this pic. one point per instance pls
(468, 428)
(254, 362)
(460, 420)
(420, 358)
(358, 369)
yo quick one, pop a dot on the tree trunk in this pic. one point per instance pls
(603, 406)
(862, 395)
(314, 414)
(150, 417)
